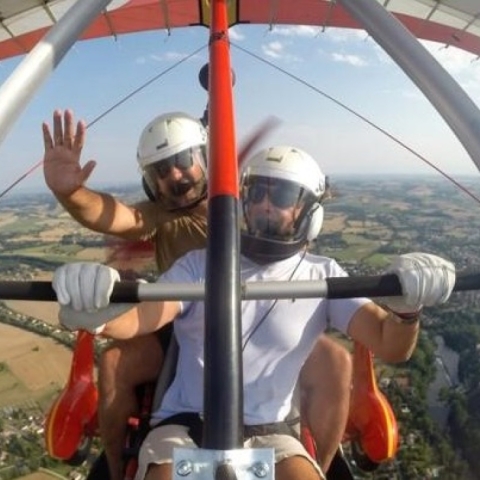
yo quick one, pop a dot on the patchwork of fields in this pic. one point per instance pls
(365, 223)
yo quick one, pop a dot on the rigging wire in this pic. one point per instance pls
(272, 306)
(288, 74)
(20, 178)
(362, 118)
(108, 111)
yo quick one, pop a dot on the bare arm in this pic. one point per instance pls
(103, 213)
(380, 331)
(426, 280)
(66, 177)
(147, 317)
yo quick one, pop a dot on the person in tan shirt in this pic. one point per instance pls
(172, 158)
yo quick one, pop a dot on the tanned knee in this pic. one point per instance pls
(340, 359)
(328, 360)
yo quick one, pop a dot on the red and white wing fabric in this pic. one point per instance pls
(24, 22)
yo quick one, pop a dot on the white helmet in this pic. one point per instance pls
(301, 181)
(166, 136)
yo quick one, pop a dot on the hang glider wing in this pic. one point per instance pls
(24, 22)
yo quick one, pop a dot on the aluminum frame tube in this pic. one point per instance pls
(339, 287)
(28, 77)
(443, 92)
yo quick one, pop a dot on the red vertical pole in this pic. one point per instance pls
(223, 387)
(223, 177)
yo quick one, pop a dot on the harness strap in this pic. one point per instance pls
(195, 427)
(187, 419)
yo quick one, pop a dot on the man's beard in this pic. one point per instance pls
(180, 188)
(266, 226)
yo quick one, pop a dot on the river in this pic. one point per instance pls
(446, 363)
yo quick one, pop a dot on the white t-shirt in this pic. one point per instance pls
(274, 354)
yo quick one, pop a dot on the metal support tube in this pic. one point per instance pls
(28, 77)
(223, 371)
(451, 102)
(333, 287)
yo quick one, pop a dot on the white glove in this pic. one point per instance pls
(83, 291)
(426, 280)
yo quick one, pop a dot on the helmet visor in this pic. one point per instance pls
(281, 193)
(183, 160)
(291, 203)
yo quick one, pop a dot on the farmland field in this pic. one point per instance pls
(41, 475)
(37, 366)
(363, 228)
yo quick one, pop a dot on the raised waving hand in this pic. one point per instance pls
(61, 164)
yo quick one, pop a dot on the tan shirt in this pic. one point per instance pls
(175, 232)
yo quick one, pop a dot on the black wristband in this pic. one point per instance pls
(409, 318)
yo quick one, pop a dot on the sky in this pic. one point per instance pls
(344, 64)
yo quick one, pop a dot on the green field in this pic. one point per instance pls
(12, 391)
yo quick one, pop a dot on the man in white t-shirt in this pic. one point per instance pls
(281, 194)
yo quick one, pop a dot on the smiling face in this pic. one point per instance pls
(172, 156)
(179, 180)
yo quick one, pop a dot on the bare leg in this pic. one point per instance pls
(295, 468)
(123, 366)
(325, 383)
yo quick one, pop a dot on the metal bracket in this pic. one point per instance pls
(241, 464)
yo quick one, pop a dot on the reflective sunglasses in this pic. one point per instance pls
(181, 160)
(282, 194)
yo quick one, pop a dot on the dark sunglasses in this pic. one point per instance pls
(281, 194)
(182, 160)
